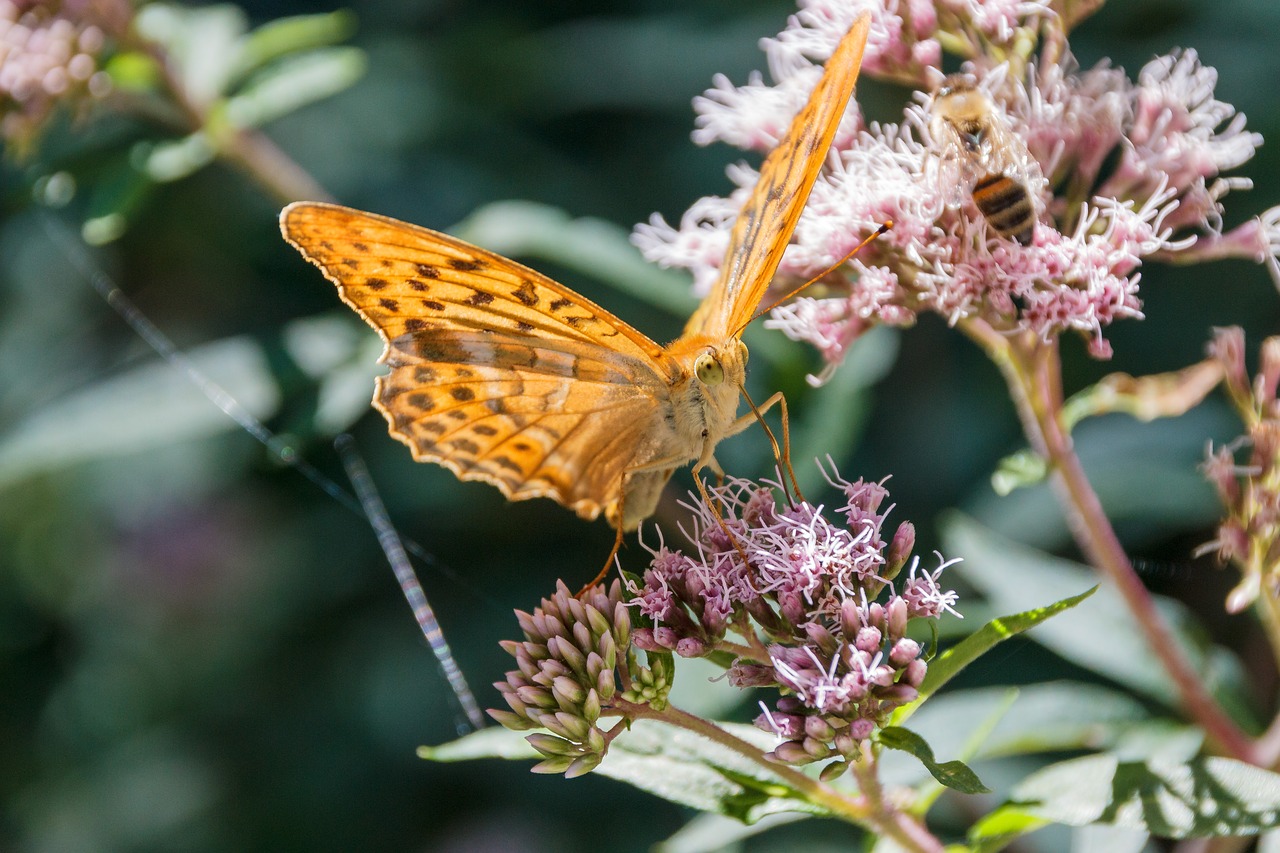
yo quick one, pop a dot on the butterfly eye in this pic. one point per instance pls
(708, 369)
(742, 352)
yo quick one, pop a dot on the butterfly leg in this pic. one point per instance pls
(781, 454)
(608, 563)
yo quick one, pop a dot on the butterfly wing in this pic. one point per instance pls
(764, 226)
(497, 372)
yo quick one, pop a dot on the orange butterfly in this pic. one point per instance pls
(503, 375)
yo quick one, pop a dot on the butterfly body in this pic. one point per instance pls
(503, 375)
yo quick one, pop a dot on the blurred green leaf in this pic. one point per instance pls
(713, 833)
(342, 355)
(1018, 470)
(174, 159)
(202, 43)
(593, 247)
(1198, 798)
(952, 774)
(133, 411)
(1056, 716)
(670, 763)
(294, 82)
(115, 197)
(1101, 637)
(133, 71)
(284, 36)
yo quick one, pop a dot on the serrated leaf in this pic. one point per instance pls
(1199, 798)
(948, 664)
(294, 82)
(136, 410)
(670, 763)
(284, 36)
(952, 774)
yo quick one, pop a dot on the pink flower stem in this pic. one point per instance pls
(864, 810)
(1032, 369)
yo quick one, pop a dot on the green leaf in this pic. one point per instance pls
(713, 833)
(1194, 799)
(493, 742)
(1101, 637)
(294, 82)
(118, 192)
(1049, 717)
(953, 774)
(670, 763)
(948, 664)
(203, 43)
(1017, 471)
(174, 159)
(135, 411)
(285, 36)
(133, 71)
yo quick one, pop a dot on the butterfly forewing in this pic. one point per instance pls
(764, 226)
(498, 373)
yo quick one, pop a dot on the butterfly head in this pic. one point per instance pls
(717, 364)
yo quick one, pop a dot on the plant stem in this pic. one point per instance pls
(881, 819)
(1032, 369)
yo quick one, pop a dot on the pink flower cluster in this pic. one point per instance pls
(801, 591)
(1249, 536)
(1118, 171)
(49, 53)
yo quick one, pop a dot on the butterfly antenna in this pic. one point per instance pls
(393, 547)
(856, 249)
(216, 394)
(781, 455)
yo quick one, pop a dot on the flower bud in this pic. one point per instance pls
(904, 652)
(904, 542)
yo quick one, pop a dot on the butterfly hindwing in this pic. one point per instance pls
(533, 418)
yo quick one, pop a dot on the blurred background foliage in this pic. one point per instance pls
(200, 650)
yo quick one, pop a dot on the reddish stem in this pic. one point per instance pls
(1032, 369)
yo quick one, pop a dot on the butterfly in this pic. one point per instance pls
(503, 375)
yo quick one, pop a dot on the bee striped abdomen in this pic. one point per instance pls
(1007, 206)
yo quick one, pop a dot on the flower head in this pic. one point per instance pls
(812, 598)
(1249, 482)
(1113, 171)
(49, 55)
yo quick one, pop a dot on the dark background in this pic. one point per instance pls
(199, 650)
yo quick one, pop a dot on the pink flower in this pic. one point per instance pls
(1154, 151)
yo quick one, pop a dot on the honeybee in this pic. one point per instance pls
(977, 152)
